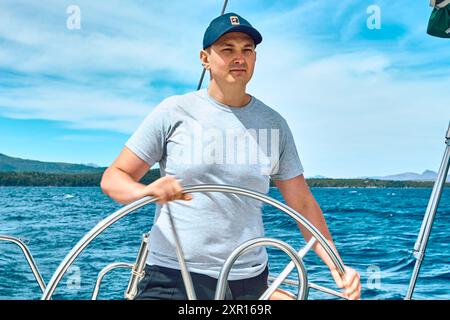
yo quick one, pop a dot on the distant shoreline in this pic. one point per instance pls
(39, 179)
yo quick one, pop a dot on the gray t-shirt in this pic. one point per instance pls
(201, 141)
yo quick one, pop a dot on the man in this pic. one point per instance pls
(221, 136)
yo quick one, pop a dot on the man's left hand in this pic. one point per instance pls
(349, 282)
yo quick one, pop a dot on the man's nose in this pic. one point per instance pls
(239, 58)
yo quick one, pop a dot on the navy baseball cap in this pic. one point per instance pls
(229, 22)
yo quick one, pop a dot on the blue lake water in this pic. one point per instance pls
(374, 231)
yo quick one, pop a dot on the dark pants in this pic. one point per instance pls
(160, 283)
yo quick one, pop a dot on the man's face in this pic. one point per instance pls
(231, 59)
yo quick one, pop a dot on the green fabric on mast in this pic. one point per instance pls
(439, 23)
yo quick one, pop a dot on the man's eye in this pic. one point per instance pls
(227, 49)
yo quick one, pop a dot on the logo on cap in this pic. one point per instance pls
(234, 20)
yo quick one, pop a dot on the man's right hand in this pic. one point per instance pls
(166, 188)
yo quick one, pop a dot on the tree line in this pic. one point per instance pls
(93, 180)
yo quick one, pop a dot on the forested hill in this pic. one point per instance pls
(93, 180)
(22, 172)
(10, 164)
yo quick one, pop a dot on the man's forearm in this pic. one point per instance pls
(120, 186)
(311, 211)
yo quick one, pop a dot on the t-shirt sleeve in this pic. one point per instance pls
(148, 142)
(289, 165)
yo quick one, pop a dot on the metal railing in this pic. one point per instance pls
(427, 223)
(137, 271)
(28, 256)
(104, 271)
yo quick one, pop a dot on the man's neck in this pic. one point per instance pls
(233, 96)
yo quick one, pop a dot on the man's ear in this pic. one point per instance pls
(204, 58)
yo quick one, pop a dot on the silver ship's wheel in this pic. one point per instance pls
(137, 268)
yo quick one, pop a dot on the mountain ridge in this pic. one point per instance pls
(12, 164)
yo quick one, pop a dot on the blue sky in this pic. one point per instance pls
(359, 101)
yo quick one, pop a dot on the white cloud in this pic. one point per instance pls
(85, 138)
(351, 108)
(77, 106)
(109, 69)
